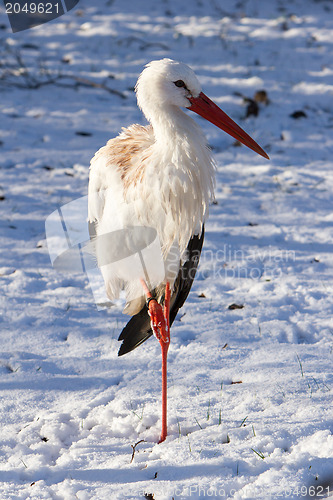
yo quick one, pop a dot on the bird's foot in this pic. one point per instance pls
(159, 324)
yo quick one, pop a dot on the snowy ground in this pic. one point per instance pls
(250, 394)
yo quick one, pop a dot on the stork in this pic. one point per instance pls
(165, 173)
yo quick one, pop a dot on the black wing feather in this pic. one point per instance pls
(138, 329)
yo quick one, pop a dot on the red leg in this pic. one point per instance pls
(160, 321)
(165, 342)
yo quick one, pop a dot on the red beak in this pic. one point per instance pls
(206, 108)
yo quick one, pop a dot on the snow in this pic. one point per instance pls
(250, 388)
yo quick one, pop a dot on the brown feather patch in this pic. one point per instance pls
(129, 153)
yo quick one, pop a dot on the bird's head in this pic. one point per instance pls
(168, 84)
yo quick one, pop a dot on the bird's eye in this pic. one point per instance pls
(179, 83)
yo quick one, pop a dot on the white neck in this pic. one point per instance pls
(184, 169)
(171, 126)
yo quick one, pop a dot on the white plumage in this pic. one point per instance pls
(160, 176)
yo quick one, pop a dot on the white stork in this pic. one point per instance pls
(165, 173)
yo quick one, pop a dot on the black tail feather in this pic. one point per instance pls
(136, 331)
